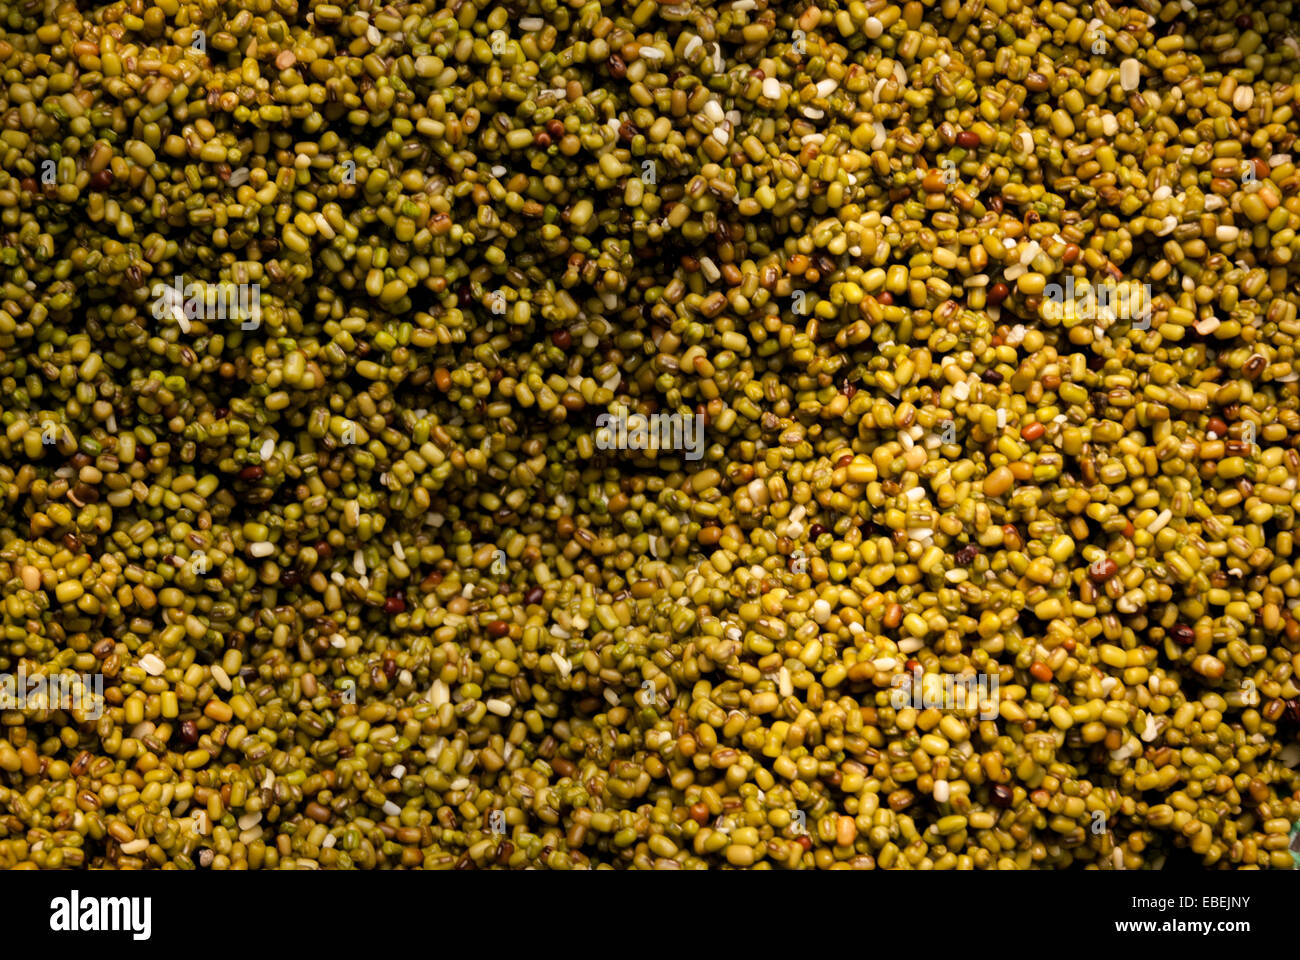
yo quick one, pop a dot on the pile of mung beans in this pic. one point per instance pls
(363, 589)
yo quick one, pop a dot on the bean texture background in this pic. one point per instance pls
(964, 331)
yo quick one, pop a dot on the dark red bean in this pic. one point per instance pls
(1103, 570)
